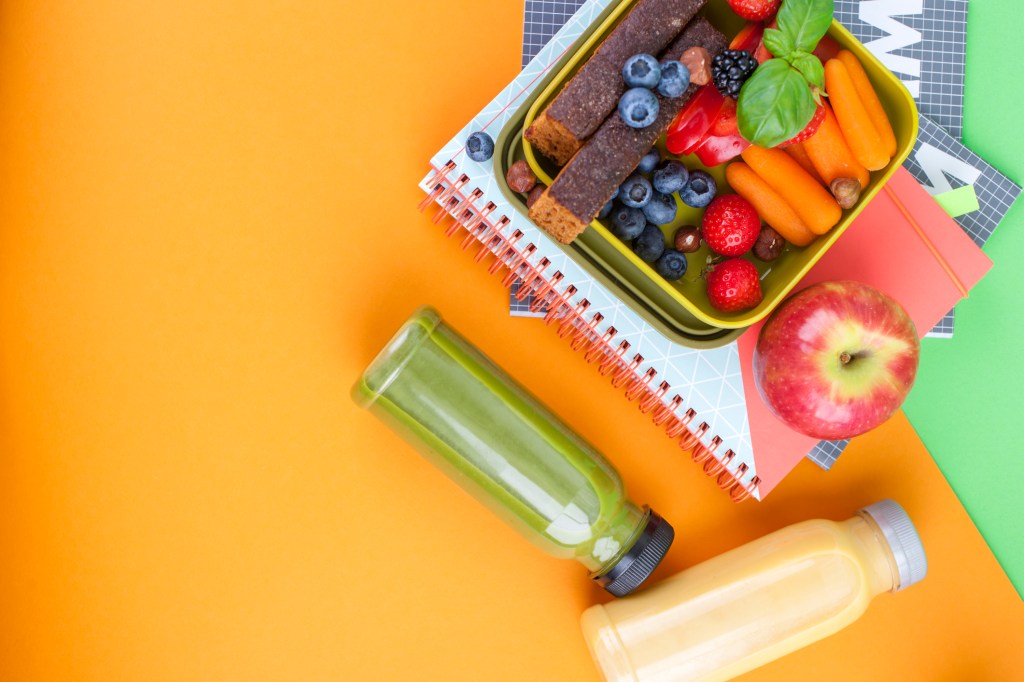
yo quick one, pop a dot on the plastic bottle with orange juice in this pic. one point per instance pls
(758, 602)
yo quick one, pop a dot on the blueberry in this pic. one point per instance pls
(627, 222)
(675, 78)
(605, 210)
(699, 191)
(650, 161)
(641, 71)
(636, 191)
(661, 210)
(650, 244)
(669, 177)
(638, 107)
(480, 146)
(671, 265)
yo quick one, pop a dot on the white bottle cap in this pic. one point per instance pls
(903, 539)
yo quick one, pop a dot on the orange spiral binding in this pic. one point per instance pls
(584, 335)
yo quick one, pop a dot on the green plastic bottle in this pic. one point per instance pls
(497, 441)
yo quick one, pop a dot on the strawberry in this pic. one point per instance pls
(730, 225)
(809, 129)
(733, 285)
(755, 10)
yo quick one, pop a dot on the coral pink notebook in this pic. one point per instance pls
(902, 243)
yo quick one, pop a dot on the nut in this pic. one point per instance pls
(846, 191)
(534, 194)
(520, 177)
(687, 239)
(698, 62)
(769, 244)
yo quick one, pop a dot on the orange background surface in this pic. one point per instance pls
(207, 228)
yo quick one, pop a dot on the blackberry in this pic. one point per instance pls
(730, 69)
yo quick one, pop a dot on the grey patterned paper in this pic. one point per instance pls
(923, 43)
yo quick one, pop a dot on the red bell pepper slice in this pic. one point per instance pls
(693, 122)
(723, 141)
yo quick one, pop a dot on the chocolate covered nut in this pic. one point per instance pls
(520, 177)
(697, 61)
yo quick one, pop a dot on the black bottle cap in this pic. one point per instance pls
(641, 559)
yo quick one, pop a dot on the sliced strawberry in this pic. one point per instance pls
(810, 129)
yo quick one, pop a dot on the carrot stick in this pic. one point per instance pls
(772, 208)
(799, 154)
(805, 196)
(831, 155)
(860, 133)
(870, 100)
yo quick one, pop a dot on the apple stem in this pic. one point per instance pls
(845, 358)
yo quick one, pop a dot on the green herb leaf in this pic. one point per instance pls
(805, 21)
(775, 104)
(778, 43)
(810, 66)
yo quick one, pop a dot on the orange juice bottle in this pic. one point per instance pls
(758, 602)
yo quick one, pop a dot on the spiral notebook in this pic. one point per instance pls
(699, 397)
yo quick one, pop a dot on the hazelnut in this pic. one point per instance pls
(687, 239)
(769, 244)
(534, 194)
(520, 177)
(846, 191)
(698, 62)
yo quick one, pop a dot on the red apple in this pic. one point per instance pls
(836, 359)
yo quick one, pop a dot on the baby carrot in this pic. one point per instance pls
(831, 155)
(870, 100)
(772, 208)
(858, 129)
(805, 196)
(799, 154)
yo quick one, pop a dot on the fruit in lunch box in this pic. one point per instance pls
(675, 78)
(650, 244)
(769, 244)
(810, 129)
(697, 61)
(650, 161)
(661, 210)
(836, 359)
(730, 69)
(687, 239)
(693, 122)
(733, 285)
(641, 71)
(730, 225)
(479, 146)
(670, 176)
(636, 191)
(755, 10)
(671, 265)
(638, 107)
(699, 191)
(627, 222)
(606, 209)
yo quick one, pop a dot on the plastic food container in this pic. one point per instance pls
(685, 302)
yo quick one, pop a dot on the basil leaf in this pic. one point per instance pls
(805, 21)
(774, 105)
(810, 66)
(778, 43)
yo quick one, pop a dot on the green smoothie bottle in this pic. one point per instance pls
(498, 442)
